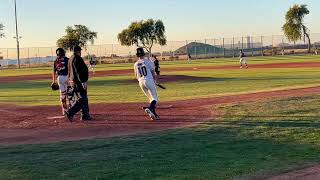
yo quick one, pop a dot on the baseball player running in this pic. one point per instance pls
(60, 69)
(243, 59)
(145, 73)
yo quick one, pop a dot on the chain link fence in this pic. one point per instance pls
(174, 50)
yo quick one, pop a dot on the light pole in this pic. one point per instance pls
(17, 33)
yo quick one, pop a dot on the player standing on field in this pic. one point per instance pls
(145, 73)
(156, 65)
(78, 77)
(60, 69)
(243, 59)
(92, 63)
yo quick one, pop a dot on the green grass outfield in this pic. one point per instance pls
(251, 139)
(205, 83)
(248, 139)
(173, 64)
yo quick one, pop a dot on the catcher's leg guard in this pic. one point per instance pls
(81, 104)
(71, 96)
(63, 99)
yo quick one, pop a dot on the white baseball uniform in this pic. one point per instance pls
(63, 83)
(61, 68)
(243, 59)
(144, 70)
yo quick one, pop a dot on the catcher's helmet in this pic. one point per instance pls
(140, 52)
(60, 52)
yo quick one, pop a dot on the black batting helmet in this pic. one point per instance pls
(140, 52)
(60, 52)
(77, 49)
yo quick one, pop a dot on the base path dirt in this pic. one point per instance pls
(30, 125)
(198, 68)
(311, 173)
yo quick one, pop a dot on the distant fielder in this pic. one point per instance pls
(145, 73)
(156, 65)
(60, 68)
(243, 59)
(92, 63)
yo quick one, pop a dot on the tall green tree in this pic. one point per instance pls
(1, 29)
(145, 33)
(79, 35)
(294, 27)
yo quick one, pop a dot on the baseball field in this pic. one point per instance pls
(217, 122)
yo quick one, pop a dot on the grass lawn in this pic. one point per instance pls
(174, 64)
(206, 83)
(246, 139)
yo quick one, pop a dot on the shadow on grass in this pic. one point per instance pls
(206, 152)
(315, 124)
(127, 81)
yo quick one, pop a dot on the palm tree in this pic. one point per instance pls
(294, 27)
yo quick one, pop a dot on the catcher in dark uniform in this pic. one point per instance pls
(60, 77)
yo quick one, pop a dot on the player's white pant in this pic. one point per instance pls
(63, 84)
(243, 61)
(149, 89)
(92, 67)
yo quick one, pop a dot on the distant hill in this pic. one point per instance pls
(198, 48)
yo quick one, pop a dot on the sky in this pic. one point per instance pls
(42, 22)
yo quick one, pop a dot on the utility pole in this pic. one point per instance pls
(17, 33)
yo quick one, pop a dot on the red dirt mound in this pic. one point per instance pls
(25, 125)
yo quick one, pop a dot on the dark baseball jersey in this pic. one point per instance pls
(92, 61)
(242, 55)
(61, 66)
(157, 65)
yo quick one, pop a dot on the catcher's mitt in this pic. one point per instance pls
(54, 86)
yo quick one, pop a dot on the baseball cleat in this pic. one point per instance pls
(67, 115)
(151, 115)
(86, 118)
(157, 117)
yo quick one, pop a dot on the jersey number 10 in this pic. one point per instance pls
(143, 71)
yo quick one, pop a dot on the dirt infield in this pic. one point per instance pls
(199, 68)
(311, 173)
(29, 125)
